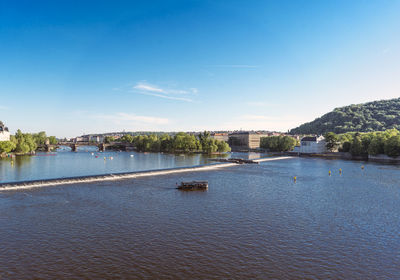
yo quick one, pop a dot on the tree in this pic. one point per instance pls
(332, 141)
(7, 146)
(127, 138)
(392, 146)
(53, 140)
(25, 142)
(223, 147)
(356, 147)
(108, 139)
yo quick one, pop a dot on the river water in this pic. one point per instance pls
(254, 222)
(88, 161)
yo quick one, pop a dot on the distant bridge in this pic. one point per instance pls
(74, 145)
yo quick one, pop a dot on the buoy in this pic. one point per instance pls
(131, 155)
(111, 158)
(330, 173)
(362, 167)
(340, 171)
(97, 156)
(104, 158)
(92, 154)
(295, 178)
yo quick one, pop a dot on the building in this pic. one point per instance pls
(220, 136)
(96, 138)
(312, 145)
(4, 133)
(249, 140)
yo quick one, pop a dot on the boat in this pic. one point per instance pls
(193, 185)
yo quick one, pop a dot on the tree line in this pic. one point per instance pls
(24, 143)
(278, 143)
(180, 142)
(363, 144)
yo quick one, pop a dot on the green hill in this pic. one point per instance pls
(371, 116)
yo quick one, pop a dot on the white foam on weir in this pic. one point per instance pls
(114, 177)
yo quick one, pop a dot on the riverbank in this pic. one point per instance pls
(120, 176)
(349, 156)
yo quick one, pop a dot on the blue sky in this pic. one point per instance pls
(74, 67)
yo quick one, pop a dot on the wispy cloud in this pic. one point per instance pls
(125, 117)
(166, 93)
(146, 87)
(167, 96)
(234, 66)
(3, 107)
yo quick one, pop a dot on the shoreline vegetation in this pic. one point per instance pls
(179, 143)
(25, 143)
(365, 144)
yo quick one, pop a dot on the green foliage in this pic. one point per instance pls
(25, 142)
(370, 143)
(53, 140)
(367, 117)
(392, 146)
(7, 146)
(127, 138)
(108, 139)
(278, 143)
(181, 142)
(40, 138)
(332, 141)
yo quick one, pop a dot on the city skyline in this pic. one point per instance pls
(70, 68)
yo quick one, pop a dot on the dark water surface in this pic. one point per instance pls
(254, 222)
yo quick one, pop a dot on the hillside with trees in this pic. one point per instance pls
(373, 116)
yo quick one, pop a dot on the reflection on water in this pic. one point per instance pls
(88, 161)
(254, 222)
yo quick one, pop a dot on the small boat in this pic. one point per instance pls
(193, 185)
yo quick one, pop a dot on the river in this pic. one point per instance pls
(254, 222)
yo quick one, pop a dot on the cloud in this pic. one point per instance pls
(125, 117)
(152, 90)
(167, 96)
(3, 107)
(146, 87)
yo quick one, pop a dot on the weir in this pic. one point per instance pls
(119, 176)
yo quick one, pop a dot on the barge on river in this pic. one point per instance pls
(193, 185)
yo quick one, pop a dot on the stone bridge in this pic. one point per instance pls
(74, 145)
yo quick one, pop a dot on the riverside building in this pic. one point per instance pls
(4, 133)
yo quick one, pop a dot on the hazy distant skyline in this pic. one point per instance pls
(74, 67)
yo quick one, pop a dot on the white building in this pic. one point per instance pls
(4, 133)
(96, 138)
(312, 145)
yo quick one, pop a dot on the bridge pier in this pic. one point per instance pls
(74, 147)
(102, 147)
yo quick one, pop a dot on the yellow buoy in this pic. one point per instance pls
(362, 167)
(295, 178)
(330, 173)
(340, 171)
